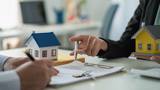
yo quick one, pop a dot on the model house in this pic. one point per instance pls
(148, 40)
(43, 45)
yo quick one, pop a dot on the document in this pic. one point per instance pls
(77, 71)
(152, 73)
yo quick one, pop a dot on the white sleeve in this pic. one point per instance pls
(9, 80)
(2, 61)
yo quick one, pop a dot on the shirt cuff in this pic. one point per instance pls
(9, 80)
(102, 53)
(3, 59)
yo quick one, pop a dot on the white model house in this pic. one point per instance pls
(43, 45)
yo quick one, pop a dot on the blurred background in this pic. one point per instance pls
(101, 18)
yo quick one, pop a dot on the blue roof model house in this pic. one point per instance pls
(43, 45)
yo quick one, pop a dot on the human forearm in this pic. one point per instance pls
(117, 49)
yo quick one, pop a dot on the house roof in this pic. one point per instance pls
(154, 31)
(45, 39)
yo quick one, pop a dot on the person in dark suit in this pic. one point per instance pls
(148, 12)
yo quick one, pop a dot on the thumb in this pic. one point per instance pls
(52, 72)
(49, 63)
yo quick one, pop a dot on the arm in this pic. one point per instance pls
(3, 59)
(125, 46)
(23, 74)
(9, 80)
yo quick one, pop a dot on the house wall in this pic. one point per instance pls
(145, 38)
(49, 53)
(33, 45)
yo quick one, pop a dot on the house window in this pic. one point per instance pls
(53, 52)
(140, 46)
(44, 53)
(149, 47)
(36, 53)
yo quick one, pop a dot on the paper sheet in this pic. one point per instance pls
(153, 73)
(67, 71)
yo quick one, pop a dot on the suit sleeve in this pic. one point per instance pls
(125, 46)
(3, 59)
(9, 80)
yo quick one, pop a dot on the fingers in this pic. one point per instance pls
(22, 61)
(49, 63)
(52, 72)
(96, 48)
(89, 45)
(91, 42)
(13, 63)
(93, 47)
(78, 38)
(83, 40)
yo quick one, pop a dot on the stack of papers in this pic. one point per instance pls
(67, 72)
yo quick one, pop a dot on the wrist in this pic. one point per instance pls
(104, 45)
(5, 64)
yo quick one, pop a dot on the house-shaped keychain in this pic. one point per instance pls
(43, 45)
(147, 41)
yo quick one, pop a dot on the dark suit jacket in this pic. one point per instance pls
(145, 12)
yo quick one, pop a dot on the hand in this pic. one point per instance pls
(89, 44)
(156, 59)
(36, 75)
(13, 63)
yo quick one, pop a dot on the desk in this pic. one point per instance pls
(119, 81)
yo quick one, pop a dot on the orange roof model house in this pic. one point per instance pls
(147, 41)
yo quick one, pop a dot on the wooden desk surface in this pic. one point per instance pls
(119, 81)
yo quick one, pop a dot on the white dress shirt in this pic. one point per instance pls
(9, 80)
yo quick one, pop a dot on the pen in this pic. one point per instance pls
(75, 49)
(30, 56)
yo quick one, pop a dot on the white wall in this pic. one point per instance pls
(9, 13)
(49, 7)
(97, 9)
(124, 14)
